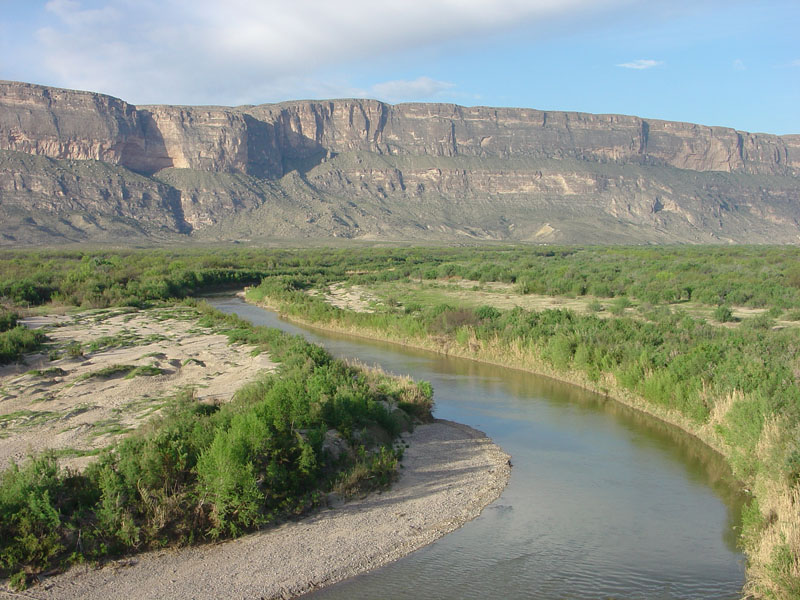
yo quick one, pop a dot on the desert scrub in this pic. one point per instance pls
(198, 472)
(19, 340)
(724, 314)
(8, 320)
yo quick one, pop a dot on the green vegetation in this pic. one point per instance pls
(735, 387)
(50, 372)
(755, 277)
(16, 340)
(202, 472)
(723, 314)
(26, 418)
(705, 337)
(129, 371)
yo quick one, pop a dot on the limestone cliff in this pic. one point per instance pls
(365, 169)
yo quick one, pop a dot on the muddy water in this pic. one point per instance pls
(603, 501)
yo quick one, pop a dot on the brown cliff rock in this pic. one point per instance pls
(365, 169)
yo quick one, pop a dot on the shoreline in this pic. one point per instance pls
(324, 548)
(705, 435)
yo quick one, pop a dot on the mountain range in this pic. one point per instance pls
(79, 167)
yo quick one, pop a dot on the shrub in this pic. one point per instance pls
(8, 320)
(760, 322)
(619, 305)
(487, 313)
(17, 341)
(723, 314)
(595, 306)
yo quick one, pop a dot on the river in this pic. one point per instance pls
(603, 502)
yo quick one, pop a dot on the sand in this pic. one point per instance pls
(450, 473)
(70, 410)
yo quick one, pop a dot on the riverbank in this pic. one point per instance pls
(770, 528)
(450, 473)
(520, 359)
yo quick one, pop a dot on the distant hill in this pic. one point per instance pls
(85, 167)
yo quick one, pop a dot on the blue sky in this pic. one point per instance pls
(731, 63)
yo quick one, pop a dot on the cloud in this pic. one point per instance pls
(642, 63)
(210, 51)
(739, 65)
(421, 88)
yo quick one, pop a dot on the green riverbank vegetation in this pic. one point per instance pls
(703, 337)
(202, 472)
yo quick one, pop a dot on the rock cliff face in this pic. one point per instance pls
(362, 168)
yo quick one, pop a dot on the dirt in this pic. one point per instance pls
(73, 407)
(353, 297)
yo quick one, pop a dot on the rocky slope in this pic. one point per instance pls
(78, 166)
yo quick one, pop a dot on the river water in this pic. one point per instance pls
(603, 502)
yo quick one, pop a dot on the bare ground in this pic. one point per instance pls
(70, 406)
(451, 472)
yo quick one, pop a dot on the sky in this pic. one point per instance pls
(730, 63)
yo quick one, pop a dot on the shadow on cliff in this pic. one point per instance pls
(150, 155)
(275, 149)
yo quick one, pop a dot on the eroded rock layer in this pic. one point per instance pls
(369, 170)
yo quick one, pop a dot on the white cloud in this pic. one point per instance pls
(739, 65)
(642, 63)
(209, 51)
(421, 88)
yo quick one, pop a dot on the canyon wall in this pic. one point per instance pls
(260, 139)
(363, 168)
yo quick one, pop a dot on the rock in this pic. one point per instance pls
(80, 166)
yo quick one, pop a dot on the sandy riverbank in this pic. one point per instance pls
(450, 473)
(129, 362)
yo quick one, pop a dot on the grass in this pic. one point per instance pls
(107, 372)
(109, 427)
(193, 361)
(77, 452)
(129, 371)
(27, 418)
(49, 372)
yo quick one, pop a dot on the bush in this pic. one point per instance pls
(487, 313)
(723, 314)
(17, 341)
(595, 306)
(619, 305)
(760, 322)
(8, 320)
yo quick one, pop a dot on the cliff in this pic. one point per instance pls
(365, 169)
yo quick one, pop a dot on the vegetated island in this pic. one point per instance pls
(307, 433)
